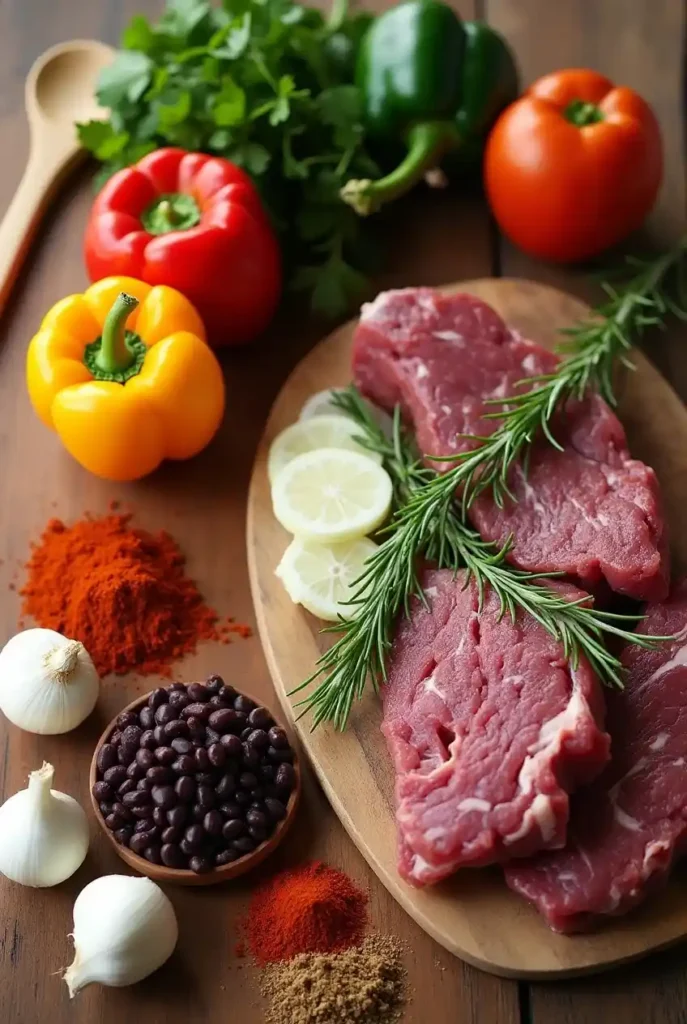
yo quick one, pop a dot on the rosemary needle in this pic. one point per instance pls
(428, 522)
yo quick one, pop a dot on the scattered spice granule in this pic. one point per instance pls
(114, 505)
(121, 590)
(240, 949)
(365, 984)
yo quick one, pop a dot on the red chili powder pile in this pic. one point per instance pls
(122, 592)
(309, 909)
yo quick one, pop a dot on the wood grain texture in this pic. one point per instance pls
(473, 914)
(203, 505)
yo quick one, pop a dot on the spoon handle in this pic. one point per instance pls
(42, 176)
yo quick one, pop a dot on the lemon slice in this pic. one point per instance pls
(321, 404)
(331, 495)
(309, 435)
(321, 576)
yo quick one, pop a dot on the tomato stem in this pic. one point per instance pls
(581, 113)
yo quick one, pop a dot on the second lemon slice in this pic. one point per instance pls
(331, 495)
(321, 576)
(311, 434)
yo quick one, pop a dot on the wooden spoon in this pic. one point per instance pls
(60, 90)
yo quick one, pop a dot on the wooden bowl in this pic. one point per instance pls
(184, 876)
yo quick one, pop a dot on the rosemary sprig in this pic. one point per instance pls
(390, 573)
(427, 522)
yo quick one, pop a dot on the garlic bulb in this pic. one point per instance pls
(124, 929)
(48, 684)
(43, 834)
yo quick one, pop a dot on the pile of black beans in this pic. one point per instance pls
(199, 777)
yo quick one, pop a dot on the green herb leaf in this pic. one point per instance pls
(229, 106)
(237, 39)
(127, 78)
(252, 156)
(102, 141)
(138, 35)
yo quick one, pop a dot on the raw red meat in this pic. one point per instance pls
(628, 827)
(488, 728)
(589, 511)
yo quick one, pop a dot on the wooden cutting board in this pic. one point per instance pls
(474, 915)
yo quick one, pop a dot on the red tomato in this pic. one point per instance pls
(573, 166)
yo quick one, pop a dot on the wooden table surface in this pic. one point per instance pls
(437, 238)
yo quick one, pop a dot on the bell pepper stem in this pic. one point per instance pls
(427, 144)
(114, 355)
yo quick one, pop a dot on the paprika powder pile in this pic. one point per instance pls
(308, 909)
(121, 591)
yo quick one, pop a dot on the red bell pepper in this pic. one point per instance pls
(194, 222)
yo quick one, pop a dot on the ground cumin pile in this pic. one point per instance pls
(364, 984)
(120, 590)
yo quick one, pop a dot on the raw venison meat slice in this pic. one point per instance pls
(488, 727)
(628, 827)
(589, 511)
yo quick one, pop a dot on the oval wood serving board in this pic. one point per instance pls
(474, 915)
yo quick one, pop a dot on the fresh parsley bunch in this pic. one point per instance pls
(267, 84)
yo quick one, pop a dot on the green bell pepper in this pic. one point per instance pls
(434, 83)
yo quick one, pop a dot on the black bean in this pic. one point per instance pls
(233, 828)
(180, 744)
(116, 737)
(186, 848)
(260, 718)
(135, 771)
(184, 765)
(152, 854)
(179, 699)
(166, 713)
(225, 857)
(146, 718)
(243, 798)
(245, 733)
(123, 835)
(202, 759)
(148, 741)
(160, 774)
(275, 808)
(115, 775)
(244, 844)
(258, 834)
(267, 772)
(106, 808)
(124, 754)
(256, 818)
(244, 704)
(194, 835)
(231, 810)
(205, 797)
(177, 687)
(165, 755)
(138, 843)
(200, 865)
(126, 787)
(157, 697)
(131, 736)
(103, 791)
(217, 755)
(145, 784)
(136, 799)
(125, 719)
(232, 744)
(146, 758)
(250, 757)
(278, 738)
(214, 683)
(196, 729)
(200, 711)
(159, 734)
(160, 816)
(119, 808)
(185, 788)
(144, 825)
(107, 757)
(248, 780)
(207, 778)
(212, 823)
(115, 821)
(285, 777)
(164, 796)
(257, 739)
(171, 834)
(198, 813)
(225, 787)
(280, 755)
(171, 856)
(176, 729)
(228, 693)
(197, 692)
(211, 736)
(178, 815)
(223, 720)
(141, 811)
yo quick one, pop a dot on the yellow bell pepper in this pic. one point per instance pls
(124, 376)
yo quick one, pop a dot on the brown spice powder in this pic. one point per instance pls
(365, 984)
